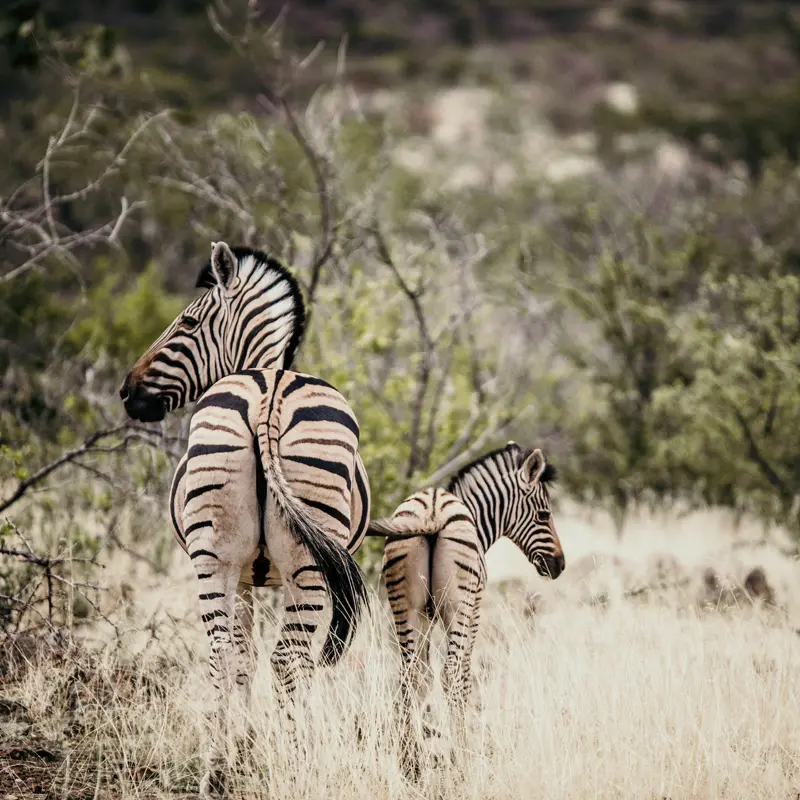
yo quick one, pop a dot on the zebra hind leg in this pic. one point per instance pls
(305, 604)
(406, 574)
(243, 641)
(218, 584)
(457, 591)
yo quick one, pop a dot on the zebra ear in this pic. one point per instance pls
(223, 264)
(533, 466)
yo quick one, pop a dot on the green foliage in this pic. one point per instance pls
(380, 382)
(735, 427)
(620, 308)
(31, 320)
(684, 336)
(120, 322)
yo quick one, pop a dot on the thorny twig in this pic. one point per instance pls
(48, 565)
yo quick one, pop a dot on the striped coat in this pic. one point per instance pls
(272, 490)
(434, 567)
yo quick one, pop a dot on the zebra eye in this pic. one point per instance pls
(542, 516)
(188, 322)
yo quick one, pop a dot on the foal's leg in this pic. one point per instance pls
(245, 663)
(406, 574)
(457, 585)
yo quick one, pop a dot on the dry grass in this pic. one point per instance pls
(648, 696)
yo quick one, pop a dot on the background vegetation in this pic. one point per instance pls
(568, 224)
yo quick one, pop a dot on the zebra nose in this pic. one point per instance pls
(124, 390)
(559, 562)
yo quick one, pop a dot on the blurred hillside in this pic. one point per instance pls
(720, 75)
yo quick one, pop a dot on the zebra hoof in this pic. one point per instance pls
(214, 784)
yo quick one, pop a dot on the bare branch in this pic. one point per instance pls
(50, 577)
(65, 458)
(278, 78)
(425, 367)
(755, 453)
(36, 232)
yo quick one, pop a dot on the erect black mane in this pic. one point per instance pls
(206, 280)
(511, 451)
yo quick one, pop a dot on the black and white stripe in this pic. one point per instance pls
(434, 566)
(251, 317)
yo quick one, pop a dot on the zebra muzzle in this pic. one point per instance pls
(140, 405)
(549, 566)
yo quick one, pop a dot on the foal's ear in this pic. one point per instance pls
(533, 466)
(223, 264)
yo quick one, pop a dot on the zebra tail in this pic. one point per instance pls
(345, 581)
(401, 528)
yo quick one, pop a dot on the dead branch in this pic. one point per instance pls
(65, 458)
(276, 98)
(438, 395)
(471, 452)
(91, 446)
(425, 367)
(36, 232)
(48, 566)
(757, 456)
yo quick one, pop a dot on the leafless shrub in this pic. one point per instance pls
(32, 229)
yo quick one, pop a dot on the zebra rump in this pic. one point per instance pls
(346, 586)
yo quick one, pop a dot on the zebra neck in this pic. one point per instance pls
(489, 510)
(269, 325)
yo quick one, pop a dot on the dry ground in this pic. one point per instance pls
(629, 680)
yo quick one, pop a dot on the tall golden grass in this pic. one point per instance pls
(654, 695)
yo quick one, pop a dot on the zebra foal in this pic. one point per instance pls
(434, 567)
(271, 491)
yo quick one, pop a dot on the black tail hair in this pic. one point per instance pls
(346, 585)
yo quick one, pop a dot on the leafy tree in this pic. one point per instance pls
(733, 431)
(623, 292)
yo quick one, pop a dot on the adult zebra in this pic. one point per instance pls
(434, 566)
(271, 491)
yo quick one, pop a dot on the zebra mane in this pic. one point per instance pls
(510, 457)
(265, 263)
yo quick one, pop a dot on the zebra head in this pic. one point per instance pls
(251, 317)
(530, 519)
